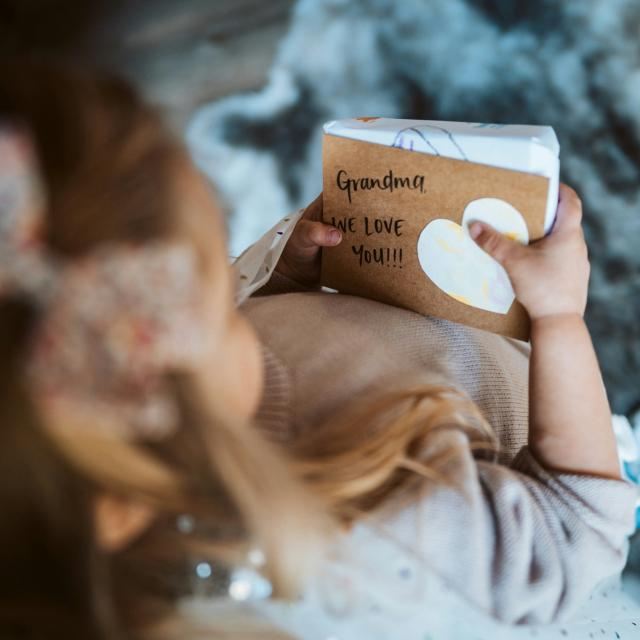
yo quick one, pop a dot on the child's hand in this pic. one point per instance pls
(300, 259)
(549, 276)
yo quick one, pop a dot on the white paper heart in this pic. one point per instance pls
(458, 266)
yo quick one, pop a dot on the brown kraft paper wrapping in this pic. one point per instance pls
(384, 225)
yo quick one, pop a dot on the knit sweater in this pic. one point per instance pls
(518, 541)
(523, 543)
(361, 348)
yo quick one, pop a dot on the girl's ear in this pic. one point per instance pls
(119, 521)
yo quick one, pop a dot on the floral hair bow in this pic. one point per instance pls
(112, 323)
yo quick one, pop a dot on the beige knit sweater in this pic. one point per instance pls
(525, 544)
(324, 352)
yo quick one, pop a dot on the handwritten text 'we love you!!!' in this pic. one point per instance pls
(384, 255)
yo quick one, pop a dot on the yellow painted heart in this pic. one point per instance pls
(458, 266)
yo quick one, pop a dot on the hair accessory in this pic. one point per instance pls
(24, 267)
(112, 323)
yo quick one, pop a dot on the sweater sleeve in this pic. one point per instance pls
(524, 543)
(255, 267)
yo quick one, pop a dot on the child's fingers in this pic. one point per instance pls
(502, 249)
(310, 235)
(314, 210)
(569, 214)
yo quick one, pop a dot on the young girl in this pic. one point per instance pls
(132, 476)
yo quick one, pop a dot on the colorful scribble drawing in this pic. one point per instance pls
(430, 139)
(459, 267)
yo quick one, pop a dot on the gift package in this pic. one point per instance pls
(403, 193)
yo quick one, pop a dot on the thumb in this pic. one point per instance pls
(312, 235)
(500, 247)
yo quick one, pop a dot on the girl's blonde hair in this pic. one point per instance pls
(110, 168)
